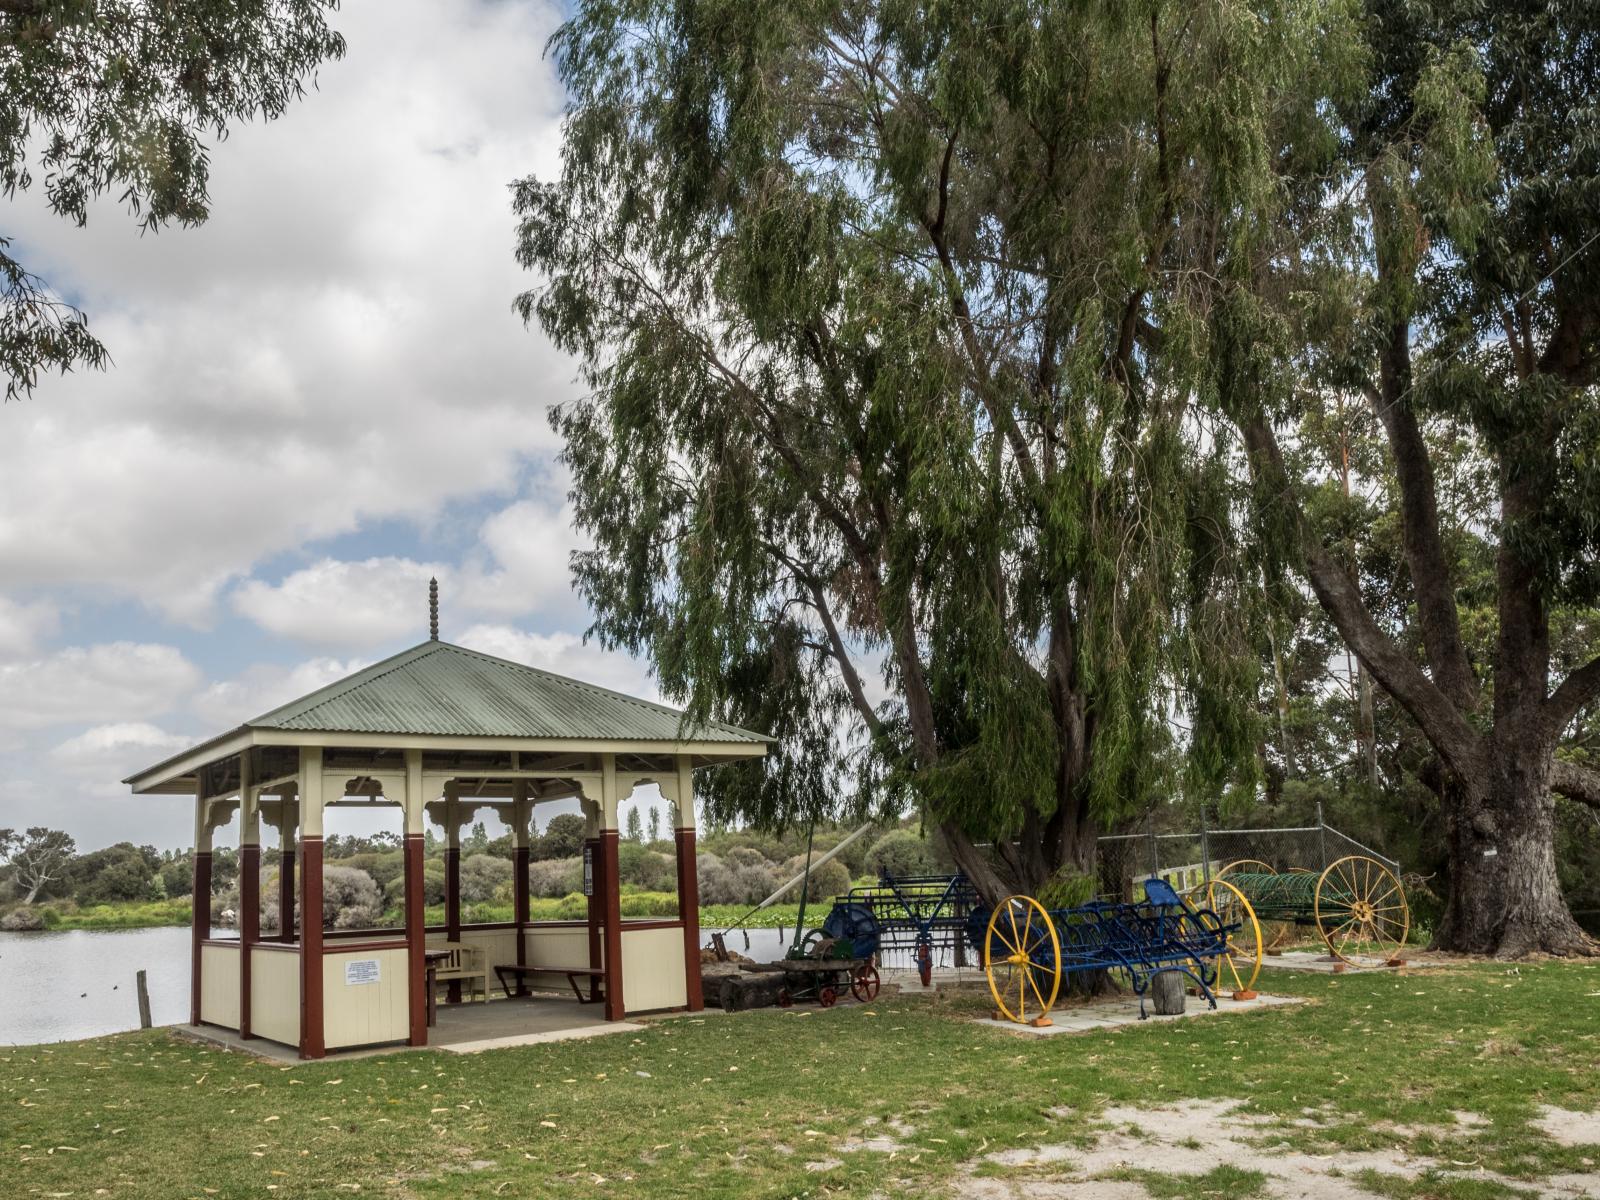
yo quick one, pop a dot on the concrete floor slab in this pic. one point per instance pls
(1119, 1011)
(1321, 963)
(539, 1039)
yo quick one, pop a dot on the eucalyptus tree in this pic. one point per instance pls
(120, 95)
(1446, 267)
(860, 291)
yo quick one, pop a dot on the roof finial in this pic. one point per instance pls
(433, 610)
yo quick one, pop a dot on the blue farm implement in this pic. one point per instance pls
(917, 919)
(1029, 950)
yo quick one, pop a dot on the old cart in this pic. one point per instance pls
(1357, 905)
(1029, 950)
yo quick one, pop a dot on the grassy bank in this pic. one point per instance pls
(901, 1099)
(634, 904)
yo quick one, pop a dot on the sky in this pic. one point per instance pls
(318, 399)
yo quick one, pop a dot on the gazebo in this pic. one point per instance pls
(443, 732)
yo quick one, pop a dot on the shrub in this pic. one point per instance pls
(350, 898)
(385, 866)
(645, 868)
(432, 885)
(555, 877)
(22, 920)
(901, 852)
(481, 874)
(827, 881)
(728, 883)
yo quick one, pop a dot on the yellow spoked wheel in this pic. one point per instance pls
(1022, 958)
(1242, 961)
(1361, 909)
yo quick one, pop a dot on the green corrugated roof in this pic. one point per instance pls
(440, 688)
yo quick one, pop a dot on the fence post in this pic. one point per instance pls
(1322, 839)
(1205, 845)
(1155, 852)
(142, 986)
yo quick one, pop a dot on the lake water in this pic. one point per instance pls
(56, 987)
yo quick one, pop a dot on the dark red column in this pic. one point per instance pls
(416, 941)
(452, 909)
(286, 889)
(199, 927)
(311, 1031)
(592, 856)
(612, 907)
(249, 924)
(519, 902)
(689, 914)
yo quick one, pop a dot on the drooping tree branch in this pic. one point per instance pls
(1423, 700)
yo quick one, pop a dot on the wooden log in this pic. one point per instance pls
(1167, 993)
(736, 993)
(143, 987)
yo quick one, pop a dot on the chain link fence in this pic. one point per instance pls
(1186, 860)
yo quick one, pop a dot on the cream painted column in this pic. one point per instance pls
(688, 880)
(312, 1044)
(249, 884)
(611, 897)
(416, 801)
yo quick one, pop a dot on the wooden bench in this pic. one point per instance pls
(521, 971)
(462, 962)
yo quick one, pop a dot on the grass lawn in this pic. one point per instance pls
(905, 1098)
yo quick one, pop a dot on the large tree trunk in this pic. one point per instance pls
(1504, 897)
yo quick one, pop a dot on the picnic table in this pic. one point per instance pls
(521, 971)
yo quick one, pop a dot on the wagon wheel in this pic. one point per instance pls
(1273, 933)
(785, 998)
(1243, 864)
(1022, 958)
(1242, 960)
(826, 997)
(864, 985)
(1360, 907)
(925, 962)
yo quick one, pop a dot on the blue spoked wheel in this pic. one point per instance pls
(856, 924)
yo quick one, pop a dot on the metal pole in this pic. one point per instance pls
(1205, 845)
(1322, 838)
(805, 886)
(1155, 852)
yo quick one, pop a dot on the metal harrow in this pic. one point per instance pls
(1029, 950)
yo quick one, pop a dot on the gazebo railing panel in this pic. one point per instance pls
(219, 984)
(275, 993)
(365, 996)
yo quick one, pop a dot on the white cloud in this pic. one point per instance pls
(118, 681)
(23, 625)
(229, 703)
(335, 345)
(352, 605)
(110, 752)
(529, 546)
(563, 654)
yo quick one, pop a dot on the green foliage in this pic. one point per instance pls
(1068, 888)
(562, 838)
(860, 294)
(122, 96)
(902, 852)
